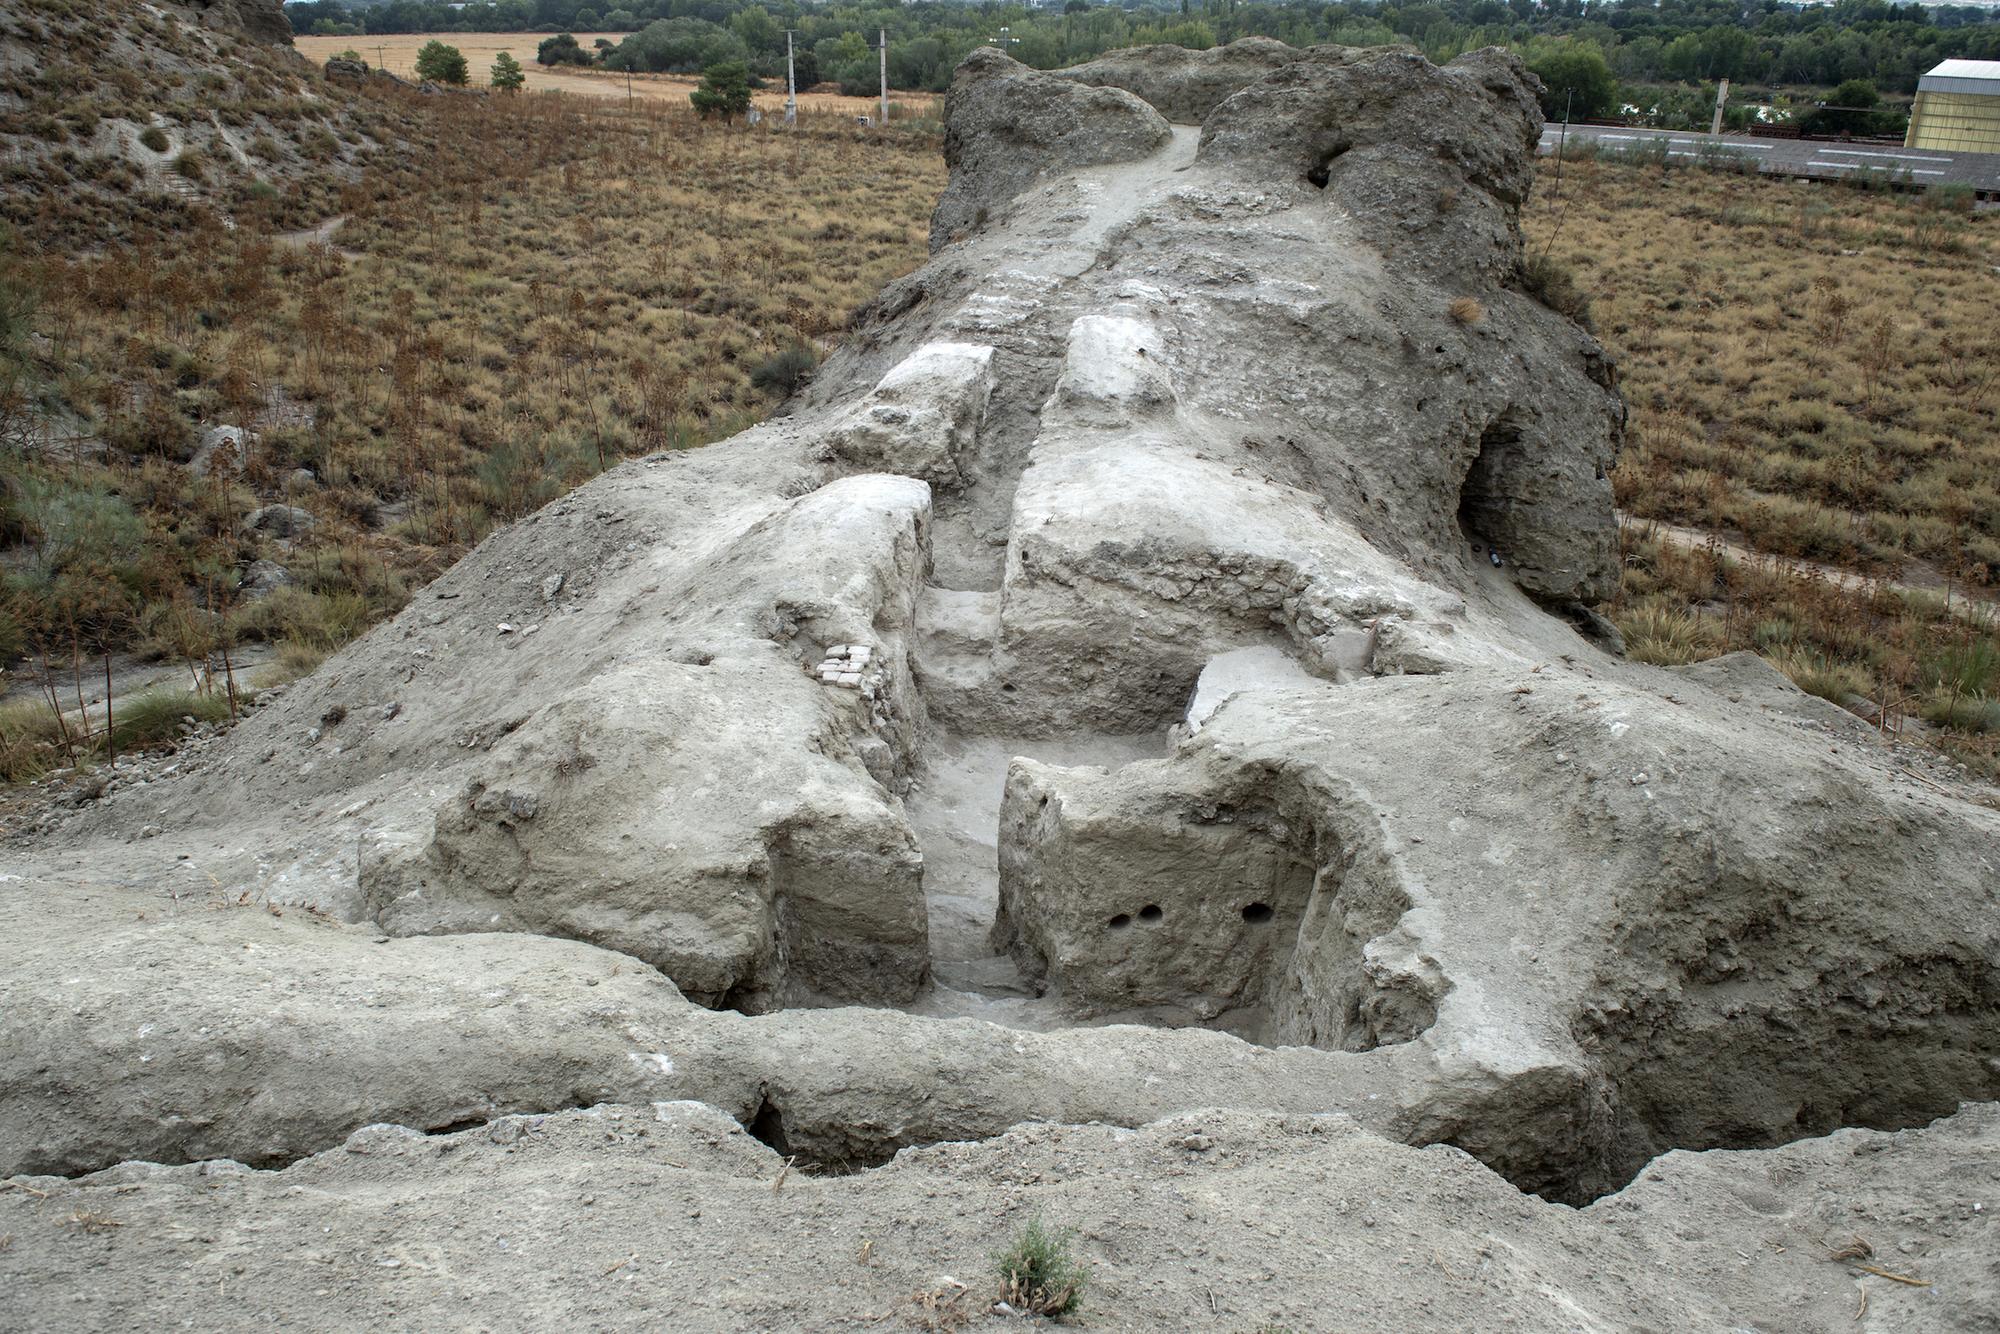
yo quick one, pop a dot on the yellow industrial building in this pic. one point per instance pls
(1958, 108)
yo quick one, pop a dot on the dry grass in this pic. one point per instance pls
(560, 285)
(397, 53)
(1813, 371)
(1814, 367)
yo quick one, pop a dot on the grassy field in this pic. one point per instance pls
(1813, 373)
(398, 54)
(569, 282)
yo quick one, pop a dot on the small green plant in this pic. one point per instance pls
(1665, 636)
(155, 138)
(1038, 1275)
(1816, 674)
(155, 716)
(785, 372)
(1550, 282)
(189, 165)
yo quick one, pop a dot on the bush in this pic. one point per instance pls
(1576, 80)
(189, 165)
(561, 49)
(1817, 674)
(31, 741)
(507, 75)
(1964, 713)
(679, 46)
(1550, 282)
(785, 372)
(1955, 197)
(1038, 1275)
(1665, 636)
(153, 716)
(724, 91)
(318, 621)
(438, 63)
(155, 138)
(72, 527)
(1854, 108)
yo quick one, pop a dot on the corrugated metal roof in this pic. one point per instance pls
(1963, 76)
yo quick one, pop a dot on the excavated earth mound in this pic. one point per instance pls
(1130, 742)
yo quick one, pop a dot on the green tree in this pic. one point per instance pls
(1576, 76)
(507, 75)
(438, 63)
(724, 91)
(759, 31)
(1851, 110)
(561, 49)
(1856, 93)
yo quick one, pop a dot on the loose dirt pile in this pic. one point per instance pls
(1141, 679)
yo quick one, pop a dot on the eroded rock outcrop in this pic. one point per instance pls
(1183, 85)
(1220, 479)
(1006, 126)
(1663, 899)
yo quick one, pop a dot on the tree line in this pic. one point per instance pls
(1641, 42)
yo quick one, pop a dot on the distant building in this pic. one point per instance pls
(1958, 108)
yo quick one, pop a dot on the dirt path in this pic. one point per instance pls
(1691, 538)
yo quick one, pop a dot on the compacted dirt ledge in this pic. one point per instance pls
(670, 1216)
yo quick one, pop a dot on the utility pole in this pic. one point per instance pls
(791, 84)
(1721, 97)
(882, 36)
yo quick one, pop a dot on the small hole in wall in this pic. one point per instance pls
(1257, 912)
(1320, 172)
(1121, 921)
(1151, 913)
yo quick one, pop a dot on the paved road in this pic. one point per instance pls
(1796, 157)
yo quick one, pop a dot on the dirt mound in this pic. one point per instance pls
(1136, 678)
(133, 121)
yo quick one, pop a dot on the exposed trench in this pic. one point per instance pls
(1255, 922)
